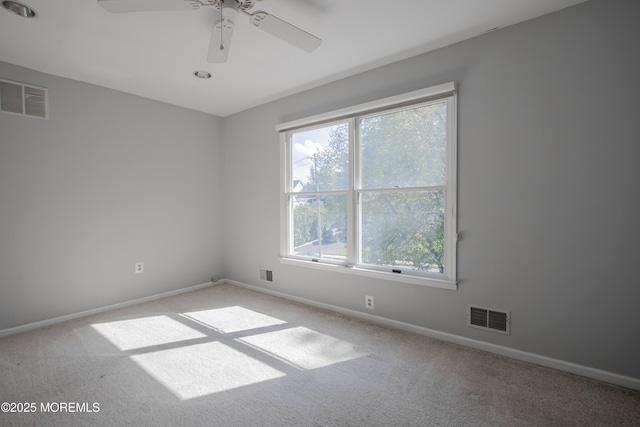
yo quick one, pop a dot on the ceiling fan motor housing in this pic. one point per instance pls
(245, 5)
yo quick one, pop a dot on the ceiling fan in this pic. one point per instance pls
(226, 12)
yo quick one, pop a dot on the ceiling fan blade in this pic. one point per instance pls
(220, 41)
(285, 31)
(118, 6)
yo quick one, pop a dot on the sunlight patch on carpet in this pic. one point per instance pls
(202, 369)
(303, 347)
(145, 332)
(232, 319)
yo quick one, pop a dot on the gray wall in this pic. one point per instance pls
(548, 187)
(111, 179)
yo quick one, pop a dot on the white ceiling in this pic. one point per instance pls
(154, 54)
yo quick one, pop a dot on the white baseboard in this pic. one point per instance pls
(561, 365)
(55, 320)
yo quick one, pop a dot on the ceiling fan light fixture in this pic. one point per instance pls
(19, 9)
(223, 23)
(202, 74)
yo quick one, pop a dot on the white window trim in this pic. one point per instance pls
(422, 95)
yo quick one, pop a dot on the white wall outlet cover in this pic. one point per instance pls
(368, 302)
(139, 268)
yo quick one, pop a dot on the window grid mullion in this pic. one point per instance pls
(402, 189)
(353, 243)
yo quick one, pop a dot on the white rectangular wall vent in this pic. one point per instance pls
(266, 274)
(489, 319)
(23, 99)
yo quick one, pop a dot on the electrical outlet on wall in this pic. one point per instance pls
(139, 268)
(368, 302)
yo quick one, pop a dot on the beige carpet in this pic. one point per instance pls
(227, 356)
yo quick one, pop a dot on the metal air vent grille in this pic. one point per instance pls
(23, 99)
(489, 319)
(266, 274)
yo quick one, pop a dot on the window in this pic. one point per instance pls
(372, 188)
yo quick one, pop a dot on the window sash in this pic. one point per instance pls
(426, 230)
(317, 247)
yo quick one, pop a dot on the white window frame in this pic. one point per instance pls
(446, 92)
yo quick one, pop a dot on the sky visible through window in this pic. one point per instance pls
(305, 145)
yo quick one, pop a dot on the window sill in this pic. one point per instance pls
(415, 280)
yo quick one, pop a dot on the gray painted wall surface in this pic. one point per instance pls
(111, 179)
(548, 187)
